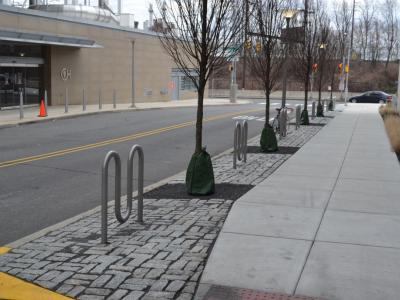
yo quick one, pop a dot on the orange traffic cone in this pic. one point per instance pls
(42, 112)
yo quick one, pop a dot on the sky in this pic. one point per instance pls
(139, 8)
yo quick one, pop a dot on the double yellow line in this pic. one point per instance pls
(135, 136)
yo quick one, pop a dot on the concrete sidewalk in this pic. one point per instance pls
(325, 224)
(11, 117)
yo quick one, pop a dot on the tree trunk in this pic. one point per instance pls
(199, 119)
(267, 106)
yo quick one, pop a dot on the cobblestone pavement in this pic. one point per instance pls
(162, 259)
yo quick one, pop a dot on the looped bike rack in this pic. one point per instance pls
(104, 188)
(240, 142)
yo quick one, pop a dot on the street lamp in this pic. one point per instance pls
(322, 48)
(288, 14)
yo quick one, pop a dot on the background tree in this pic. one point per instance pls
(199, 36)
(305, 54)
(265, 58)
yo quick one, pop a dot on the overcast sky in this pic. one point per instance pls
(137, 7)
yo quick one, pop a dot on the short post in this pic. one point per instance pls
(282, 123)
(114, 99)
(313, 110)
(66, 101)
(21, 105)
(298, 116)
(45, 100)
(83, 100)
(100, 104)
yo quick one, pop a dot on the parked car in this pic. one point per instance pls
(372, 97)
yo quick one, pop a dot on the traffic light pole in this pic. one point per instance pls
(348, 56)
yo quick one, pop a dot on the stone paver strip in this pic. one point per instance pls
(162, 259)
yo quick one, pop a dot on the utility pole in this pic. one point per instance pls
(348, 56)
(246, 30)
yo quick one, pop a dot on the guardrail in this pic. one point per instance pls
(113, 155)
(240, 142)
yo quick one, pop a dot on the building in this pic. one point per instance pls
(75, 49)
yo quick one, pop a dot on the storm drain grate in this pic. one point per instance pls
(281, 150)
(228, 293)
(227, 191)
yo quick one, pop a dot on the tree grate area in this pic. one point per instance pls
(281, 150)
(178, 191)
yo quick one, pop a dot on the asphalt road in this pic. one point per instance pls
(51, 171)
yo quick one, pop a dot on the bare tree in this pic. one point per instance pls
(305, 53)
(199, 36)
(266, 58)
(390, 23)
(365, 24)
(342, 23)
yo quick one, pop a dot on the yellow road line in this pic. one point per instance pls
(4, 250)
(17, 289)
(135, 136)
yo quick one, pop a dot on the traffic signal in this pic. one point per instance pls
(347, 68)
(258, 47)
(315, 67)
(340, 68)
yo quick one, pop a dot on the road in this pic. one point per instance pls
(51, 171)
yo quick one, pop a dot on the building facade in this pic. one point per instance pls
(69, 57)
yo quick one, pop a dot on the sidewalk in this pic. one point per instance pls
(324, 225)
(11, 117)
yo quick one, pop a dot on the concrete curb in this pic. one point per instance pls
(68, 221)
(117, 110)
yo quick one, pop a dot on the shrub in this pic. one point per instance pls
(388, 110)
(392, 124)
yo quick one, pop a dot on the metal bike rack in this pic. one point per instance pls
(104, 188)
(240, 142)
(298, 116)
(313, 110)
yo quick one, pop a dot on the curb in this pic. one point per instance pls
(117, 110)
(44, 231)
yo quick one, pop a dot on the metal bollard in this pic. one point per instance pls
(240, 142)
(100, 104)
(66, 101)
(104, 189)
(21, 105)
(114, 99)
(139, 150)
(117, 204)
(298, 116)
(313, 110)
(83, 100)
(282, 123)
(45, 99)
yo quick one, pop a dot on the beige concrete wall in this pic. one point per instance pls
(104, 69)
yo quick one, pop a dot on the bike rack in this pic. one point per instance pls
(240, 142)
(104, 188)
(313, 110)
(298, 116)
